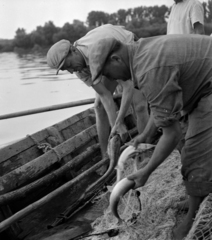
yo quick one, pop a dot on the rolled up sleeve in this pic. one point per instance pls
(197, 13)
(164, 94)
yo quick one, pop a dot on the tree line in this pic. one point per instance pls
(143, 21)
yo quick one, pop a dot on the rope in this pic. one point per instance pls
(57, 153)
(130, 136)
(45, 147)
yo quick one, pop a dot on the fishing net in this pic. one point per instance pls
(151, 212)
(202, 226)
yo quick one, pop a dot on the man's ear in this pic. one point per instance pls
(115, 57)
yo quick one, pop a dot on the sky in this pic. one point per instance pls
(29, 14)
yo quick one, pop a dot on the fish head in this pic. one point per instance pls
(114, 144)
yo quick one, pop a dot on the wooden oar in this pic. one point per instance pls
(52, 108)
(49, 178)
(32, 207)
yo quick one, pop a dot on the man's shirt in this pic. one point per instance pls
(85, 43)
(183, 16)
(173, 71)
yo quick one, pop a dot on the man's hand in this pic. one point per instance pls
(121, 130)
(139, 139)
(140, 178)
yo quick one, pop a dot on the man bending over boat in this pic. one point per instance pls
(175, 74)
(76, 59)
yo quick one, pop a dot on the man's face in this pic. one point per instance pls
(116, 70)
(74, 62)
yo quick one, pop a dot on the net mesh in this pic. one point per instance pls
(202, 226)
(155, 212)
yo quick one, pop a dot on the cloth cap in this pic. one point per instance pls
(99, 53)
(57, 54)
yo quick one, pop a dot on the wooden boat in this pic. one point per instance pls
(47, 177)
(49, 186)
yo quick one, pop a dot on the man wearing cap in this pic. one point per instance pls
(175, 74)
(76, 59)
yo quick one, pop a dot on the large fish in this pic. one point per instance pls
(124, 185)
(113, 150)
(130, 152)
(126, 154)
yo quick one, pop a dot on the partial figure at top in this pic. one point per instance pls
(186, 17)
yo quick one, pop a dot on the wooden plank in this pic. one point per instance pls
(17, 147)
(19, 160)
(25, 143)
(72, 120)
(67, 133)
(83, 147)
(79, 126)
(21, 152)
(31, 153)
(40, 165)
(81, 121)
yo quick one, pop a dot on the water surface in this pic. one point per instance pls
(26, 82)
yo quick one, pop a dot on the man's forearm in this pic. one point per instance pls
(107, 101)
(150, 130)
(167, 143)
(109, 105)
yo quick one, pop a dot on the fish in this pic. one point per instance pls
(126, 154)
(122, 186)
(120, 189)
(113, 150)
(129, 152)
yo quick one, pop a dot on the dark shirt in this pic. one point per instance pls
(173, 71)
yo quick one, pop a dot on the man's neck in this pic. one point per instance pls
(125, 55)
(83, 57)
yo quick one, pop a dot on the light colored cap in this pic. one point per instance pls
(57, 54)
(99, 54)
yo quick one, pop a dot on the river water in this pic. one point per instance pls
(26, 82)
